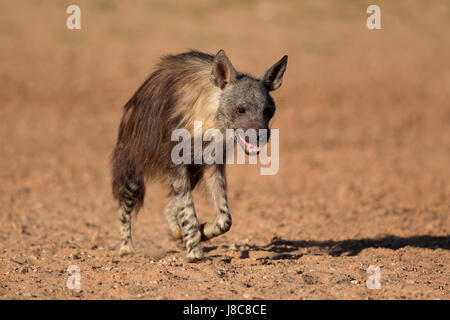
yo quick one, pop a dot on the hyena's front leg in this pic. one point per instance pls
(171, 209)
(190, 227)
(171, 214)
(216, 184)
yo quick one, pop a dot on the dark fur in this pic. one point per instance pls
(143, 148)
(184, 88)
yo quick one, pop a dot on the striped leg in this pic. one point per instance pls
(216, 184)
(126, 244)
(171, 214)
(128, 198)
(190, 227)
(171, 209)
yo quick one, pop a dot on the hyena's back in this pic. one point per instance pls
(165, 101)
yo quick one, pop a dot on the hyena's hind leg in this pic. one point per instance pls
(131, 197)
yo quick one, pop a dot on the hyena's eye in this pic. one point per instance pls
(240, 109)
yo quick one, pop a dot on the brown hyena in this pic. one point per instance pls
(184, 88)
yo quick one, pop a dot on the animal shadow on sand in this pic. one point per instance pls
(286, 249)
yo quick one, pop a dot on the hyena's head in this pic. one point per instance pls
(245, 104)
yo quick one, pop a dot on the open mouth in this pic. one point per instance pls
(249, 148)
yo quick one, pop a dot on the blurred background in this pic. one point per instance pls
(364, 117)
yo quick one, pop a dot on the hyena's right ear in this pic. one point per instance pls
(223, 72)
(273, 77)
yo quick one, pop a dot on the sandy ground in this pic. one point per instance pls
(364, 175)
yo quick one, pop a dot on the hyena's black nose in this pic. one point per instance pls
(263, 136)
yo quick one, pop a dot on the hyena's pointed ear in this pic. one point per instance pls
(223, 72)
(273, 77)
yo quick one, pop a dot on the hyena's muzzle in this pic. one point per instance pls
(252, 140)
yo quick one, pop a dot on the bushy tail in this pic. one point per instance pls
(130, 193)
(127, 185)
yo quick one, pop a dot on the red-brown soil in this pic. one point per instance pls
(364, 174)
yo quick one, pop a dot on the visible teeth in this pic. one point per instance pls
(249, 147)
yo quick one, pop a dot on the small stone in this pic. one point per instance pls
(244, 247)
(222, 271)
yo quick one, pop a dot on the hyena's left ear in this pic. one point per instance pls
(273, 77)
(223, 72)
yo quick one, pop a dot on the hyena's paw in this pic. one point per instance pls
(195, 254)
(180, 244)
(177, 238)
(175, 234)
(126, 249)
